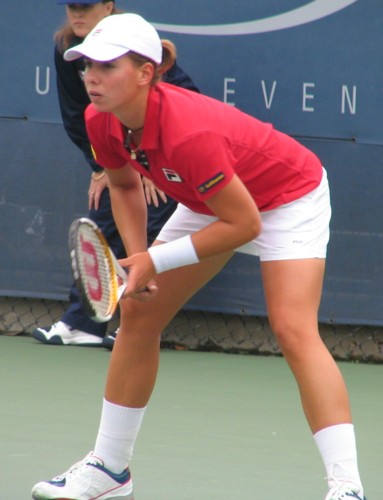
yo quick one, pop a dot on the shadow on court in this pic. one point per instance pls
(218, 425)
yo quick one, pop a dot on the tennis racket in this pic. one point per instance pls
(99, 277)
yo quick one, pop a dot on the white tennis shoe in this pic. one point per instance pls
(86, 480)
(62, 334)
(345, 491)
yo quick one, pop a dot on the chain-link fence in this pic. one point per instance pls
(206, 331)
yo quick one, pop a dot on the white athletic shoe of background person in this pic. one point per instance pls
(62, 334)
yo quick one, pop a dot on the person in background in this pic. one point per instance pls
(75, 327)
(242, 186)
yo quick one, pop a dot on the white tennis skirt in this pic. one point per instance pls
(296, 230)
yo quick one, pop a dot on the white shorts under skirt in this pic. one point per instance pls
(297, 230)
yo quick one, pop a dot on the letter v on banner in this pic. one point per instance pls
(268, 100)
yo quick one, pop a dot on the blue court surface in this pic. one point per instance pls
(219, 426)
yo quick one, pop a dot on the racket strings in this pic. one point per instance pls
(97, 272)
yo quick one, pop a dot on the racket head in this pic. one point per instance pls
(93, 269)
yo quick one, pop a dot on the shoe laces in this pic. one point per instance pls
(90, 459)
(59, 325)
(341, 487)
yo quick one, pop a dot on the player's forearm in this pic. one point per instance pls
(130, 214)
(220, 237)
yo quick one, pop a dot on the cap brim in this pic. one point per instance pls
(95, 51)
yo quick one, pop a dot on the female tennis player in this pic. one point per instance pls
(242, 187)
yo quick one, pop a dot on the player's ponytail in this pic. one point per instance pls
(169, 54)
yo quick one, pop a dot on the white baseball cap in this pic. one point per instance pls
(116, 35)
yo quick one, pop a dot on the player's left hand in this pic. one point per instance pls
(152, 193)
(96, 186)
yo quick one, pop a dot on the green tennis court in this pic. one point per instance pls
(218, 426)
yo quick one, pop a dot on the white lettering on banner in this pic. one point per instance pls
(307, 96)
(227, 90)
(347, 96)
(42, 90)
(268, 100)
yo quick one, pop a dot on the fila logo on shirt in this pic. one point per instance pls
(171, 176)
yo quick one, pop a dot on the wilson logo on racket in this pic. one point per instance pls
(91, 269)
(99, 277)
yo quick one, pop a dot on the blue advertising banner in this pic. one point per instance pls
(312, 68)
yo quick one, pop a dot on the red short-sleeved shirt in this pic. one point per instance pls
(194, 144)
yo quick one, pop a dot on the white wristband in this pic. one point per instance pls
(173, 254)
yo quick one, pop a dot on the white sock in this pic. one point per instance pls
(117, 435)
(337, 447)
